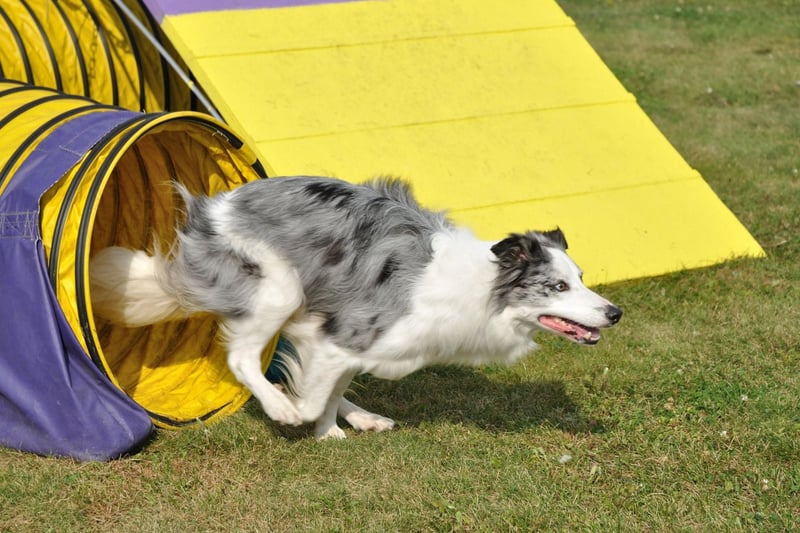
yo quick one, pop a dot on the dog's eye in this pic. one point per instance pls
(561, 286)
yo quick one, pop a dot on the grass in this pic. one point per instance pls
(685, 417)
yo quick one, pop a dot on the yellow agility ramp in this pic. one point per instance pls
(505, 116)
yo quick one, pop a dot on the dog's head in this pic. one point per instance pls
(537, 279)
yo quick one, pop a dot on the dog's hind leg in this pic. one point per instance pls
(276, 299)
(363, 420)
(245, 344)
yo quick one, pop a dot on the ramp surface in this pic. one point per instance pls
(506, 117)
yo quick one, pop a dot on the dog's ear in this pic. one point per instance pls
(518, 249)
(556, 237)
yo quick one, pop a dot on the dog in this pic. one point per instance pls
(359, 278)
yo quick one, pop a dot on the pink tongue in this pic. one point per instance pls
(570, 329)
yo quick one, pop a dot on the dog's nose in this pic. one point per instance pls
(613, 313)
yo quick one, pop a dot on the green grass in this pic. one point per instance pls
(685, 417)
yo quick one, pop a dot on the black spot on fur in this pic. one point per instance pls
(334, 253)
(251, 269)
(364, 231)
(389, 268)
(335, 193)
(247, 266)
(239, 312)
(378, 204)
(331, 325)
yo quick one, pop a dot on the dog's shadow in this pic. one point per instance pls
(471, 397)
(465, 396)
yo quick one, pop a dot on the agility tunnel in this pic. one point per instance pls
(75, 177)
(93, 48)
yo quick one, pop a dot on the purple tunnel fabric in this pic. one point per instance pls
(53, 399)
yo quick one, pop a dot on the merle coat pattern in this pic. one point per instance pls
(360, 278)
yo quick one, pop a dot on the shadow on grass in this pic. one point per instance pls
(471, 397)
(466, 396)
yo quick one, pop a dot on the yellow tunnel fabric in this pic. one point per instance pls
(121, 193)
(89, 48)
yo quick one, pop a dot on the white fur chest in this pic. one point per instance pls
(452, 319)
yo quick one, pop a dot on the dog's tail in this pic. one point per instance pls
(131, 288)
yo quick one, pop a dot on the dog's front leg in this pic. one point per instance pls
(325, 372)
(326, 426)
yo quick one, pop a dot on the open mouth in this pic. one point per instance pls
(571, 330)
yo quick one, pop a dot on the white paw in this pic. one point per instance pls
(282, 411)
(332, 432)
(369, 422)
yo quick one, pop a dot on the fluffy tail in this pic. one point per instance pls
(130, 288)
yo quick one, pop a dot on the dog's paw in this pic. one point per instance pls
(332, 432)
(282, 411)
(363, 421)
